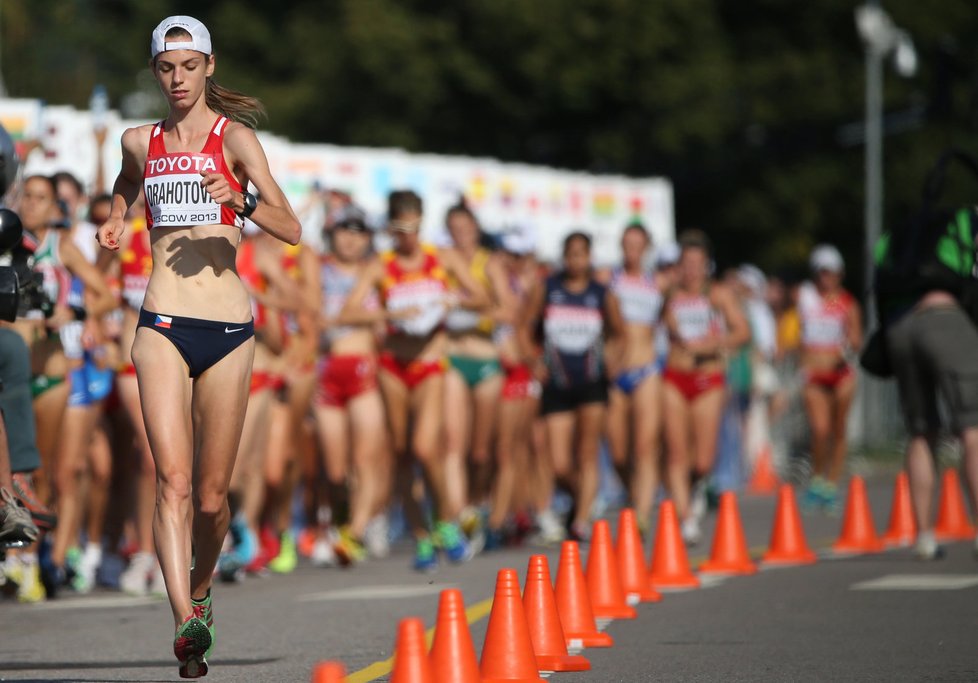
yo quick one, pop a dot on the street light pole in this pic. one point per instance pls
(881, 38)
(874, 168)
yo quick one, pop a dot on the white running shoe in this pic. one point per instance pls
(697, 500)
(550, 530)
(323, 554)
(135, 580)
(157, 585)
(376, 537)
(690, 530)
(926, 547)
(91, 559)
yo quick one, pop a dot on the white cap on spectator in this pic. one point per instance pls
(518, 239)
(200, 37)
(667, 255)
(753, 279)
(826, 257)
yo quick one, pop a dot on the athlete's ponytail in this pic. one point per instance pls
(230, 103)
(233, 104)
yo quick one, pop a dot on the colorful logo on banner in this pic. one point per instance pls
(603, 203)
(507, 190)
(476, 191)
(556, 198)
(636, 206)
(576, 201)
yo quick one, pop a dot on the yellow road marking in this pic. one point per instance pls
(473, 614)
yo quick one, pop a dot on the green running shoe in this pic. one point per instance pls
(287, 558)
(425, 559)
(204, 611)
(448, 538)
(190, 646)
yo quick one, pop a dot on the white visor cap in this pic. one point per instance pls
(826, 257)
(200, 37)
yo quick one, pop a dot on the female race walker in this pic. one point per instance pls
(412, 283)
(635, 407)
(194, 344)
(830, 333)
(580, 316)
(705, 323)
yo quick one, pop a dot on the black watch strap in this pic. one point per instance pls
(250, 204)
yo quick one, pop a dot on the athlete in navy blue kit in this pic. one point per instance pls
(194, 345)
(580, 319)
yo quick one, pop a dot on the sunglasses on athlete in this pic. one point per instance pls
(406, 227)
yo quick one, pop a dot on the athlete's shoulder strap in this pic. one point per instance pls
(219, 126)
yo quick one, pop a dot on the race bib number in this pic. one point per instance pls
(174, 193)
(573, 330)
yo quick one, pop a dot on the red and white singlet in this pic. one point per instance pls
(174, 195)
(824, 321)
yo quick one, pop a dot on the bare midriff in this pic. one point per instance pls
(194, 274)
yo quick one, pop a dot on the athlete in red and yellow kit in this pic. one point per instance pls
(412, 282)
(830, 332)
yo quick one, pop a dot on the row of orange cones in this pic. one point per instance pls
(533, 633)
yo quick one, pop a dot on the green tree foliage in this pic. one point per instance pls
(742, 104)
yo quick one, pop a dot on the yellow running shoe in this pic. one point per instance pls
(287, 558)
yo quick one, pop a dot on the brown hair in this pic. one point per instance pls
(695, 239)
(401, 202)
(225, 101)
(640, 229)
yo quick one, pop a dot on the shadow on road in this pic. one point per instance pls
(113, 664)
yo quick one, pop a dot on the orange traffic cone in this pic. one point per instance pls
(670, 566)
(952, 517)
(858, 531)
(452, 654)
(902, 529)
(507, 653)
(546, 632)
(788, 545)
(328, 672)
(729, 554)
(631, 560)
(603, 580)
(411, 663)
(573, 603)
(764, 480)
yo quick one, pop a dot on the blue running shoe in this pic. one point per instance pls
(425, 559)
(448, 537)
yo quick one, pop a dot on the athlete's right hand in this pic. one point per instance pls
(110, 233)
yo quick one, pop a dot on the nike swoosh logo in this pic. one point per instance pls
(228, 330)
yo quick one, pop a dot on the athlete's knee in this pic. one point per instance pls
(173, 487)
(425, 450)
(210, 500)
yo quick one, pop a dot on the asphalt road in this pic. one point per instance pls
(879, 617)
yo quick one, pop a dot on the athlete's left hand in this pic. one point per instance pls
(219, 189)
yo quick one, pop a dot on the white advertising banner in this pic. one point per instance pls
(548, 202)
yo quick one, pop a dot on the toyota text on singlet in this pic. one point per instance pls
(174, 195)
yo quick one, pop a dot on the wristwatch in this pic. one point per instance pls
(250, 204)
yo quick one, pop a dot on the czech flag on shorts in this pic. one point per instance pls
(163, 321)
